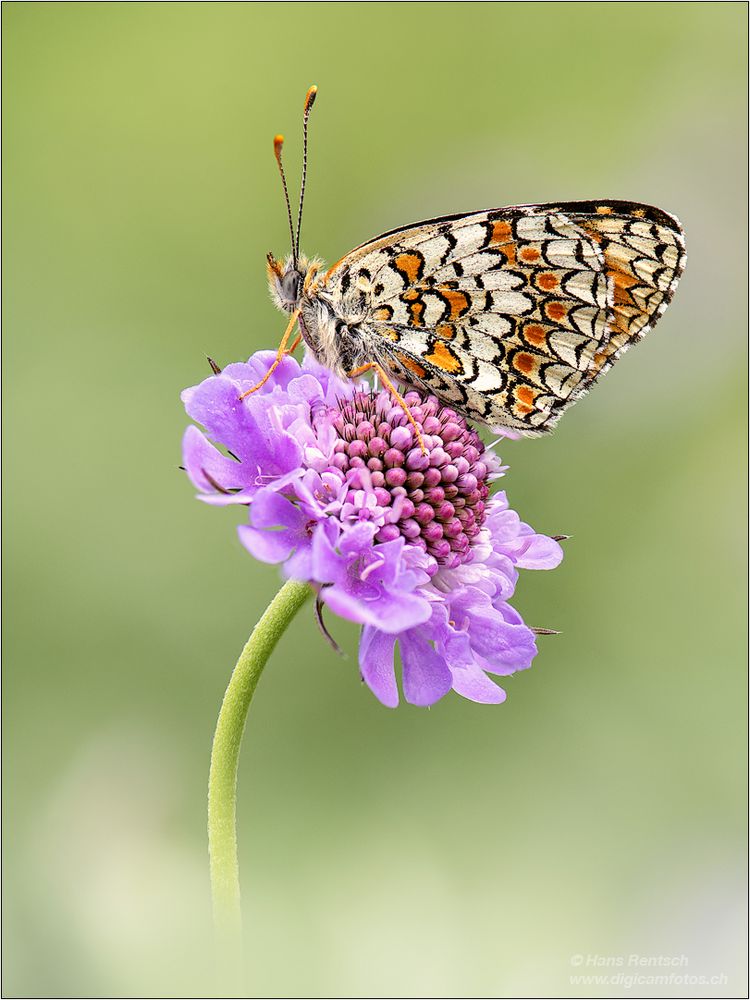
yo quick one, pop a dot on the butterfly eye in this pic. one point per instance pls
(290, 286)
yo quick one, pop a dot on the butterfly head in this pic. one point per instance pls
(287, 279)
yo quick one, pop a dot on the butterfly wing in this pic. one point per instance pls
(512, 314)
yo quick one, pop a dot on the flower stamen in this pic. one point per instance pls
(369, 570)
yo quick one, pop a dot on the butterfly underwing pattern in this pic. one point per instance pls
(508, 315)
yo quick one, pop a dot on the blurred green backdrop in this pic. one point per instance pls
(462, 851)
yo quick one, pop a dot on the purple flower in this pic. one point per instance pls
(410, 544)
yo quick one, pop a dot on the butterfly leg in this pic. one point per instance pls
(385, 379)
(280, 354)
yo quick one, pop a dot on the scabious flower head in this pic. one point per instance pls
(440, 496)
(410, 544)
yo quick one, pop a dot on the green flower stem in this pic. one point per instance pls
(222, 781)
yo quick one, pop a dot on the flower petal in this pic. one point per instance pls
(299, 564)
(391, 614)
(270, 510)
(473, 683)
(398, 611)
(327, 564)
(426, 674)
(249, 428)
(515, 652)
(249, 373)
(202, 460)
(539, 552)
(268, 546)
(376, 651)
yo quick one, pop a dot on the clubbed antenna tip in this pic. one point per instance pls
(309, 101)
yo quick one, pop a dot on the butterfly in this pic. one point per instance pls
(508, 315)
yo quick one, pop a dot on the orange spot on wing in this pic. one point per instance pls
(410, 265)
(502, 236)
(442, 357)
(411, 365)
(529, 254)
(446, 331)
(524, 362)
(457, 301)
(603, 210)
(525, 394)
(416, 306)
(623, 283)
(382, 313)
(535, 334)
(556, 310)
(501, 232)
(591, 231)
(547, 281)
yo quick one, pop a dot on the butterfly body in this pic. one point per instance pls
(333, 324)
(509, 315)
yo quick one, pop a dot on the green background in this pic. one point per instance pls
(461, 851)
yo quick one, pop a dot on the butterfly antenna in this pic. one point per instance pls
(309, 101)
(278, 144)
